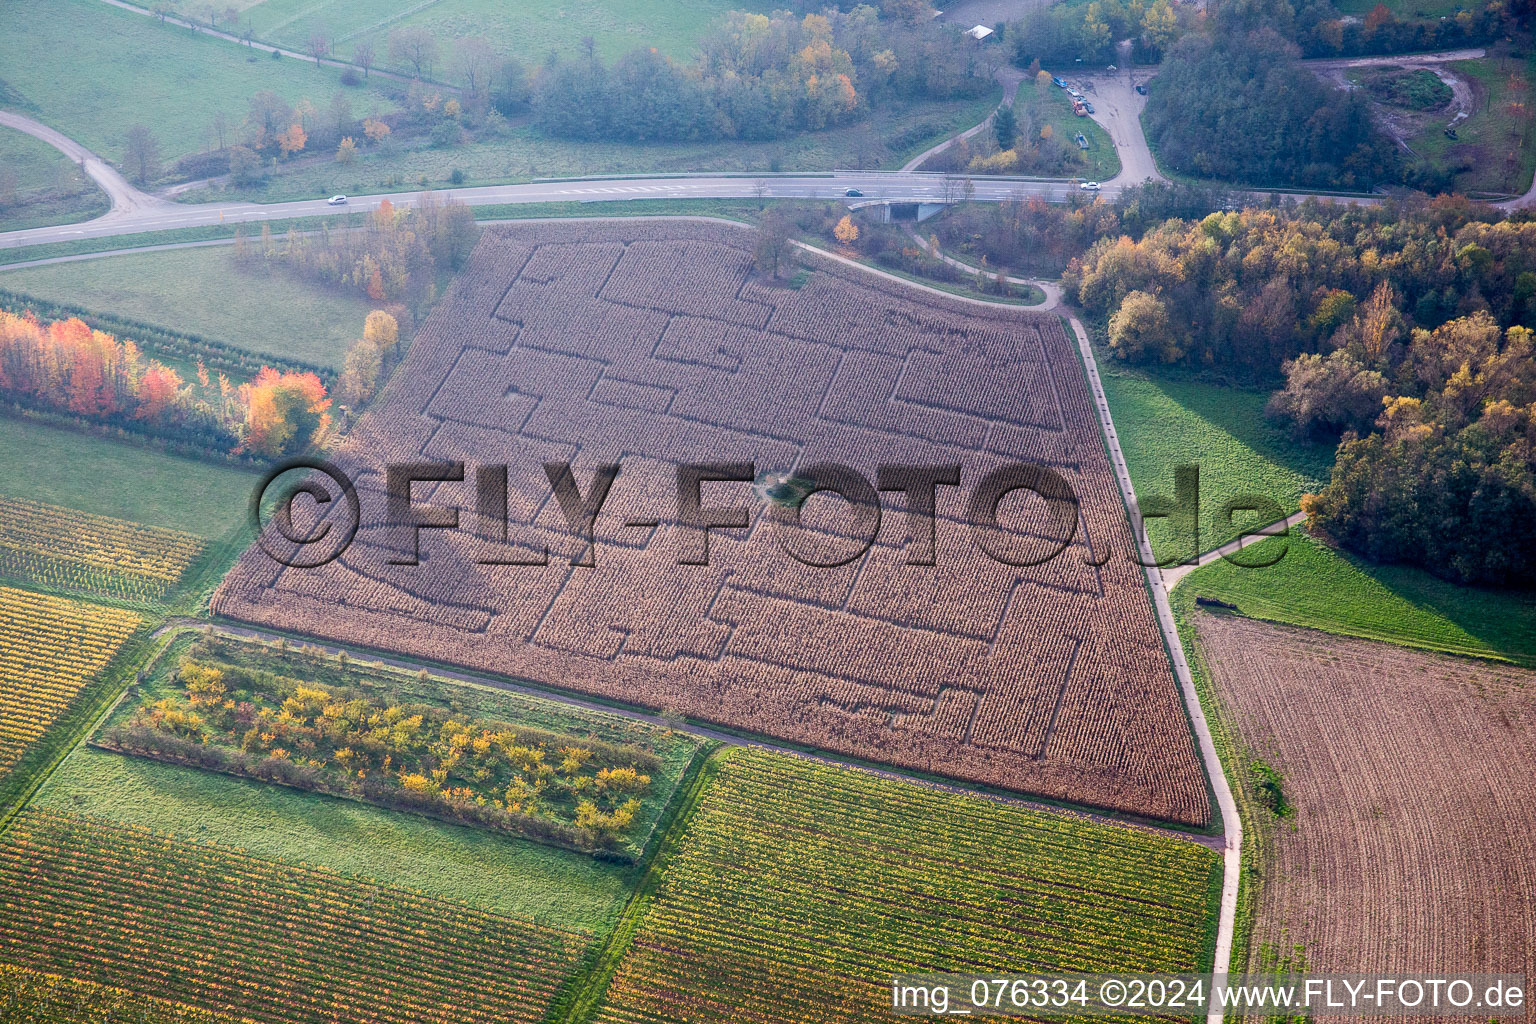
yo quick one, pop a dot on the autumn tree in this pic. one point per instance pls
(1141, 328)
(360, 376)
(362, 55)
(773, 251)
(292, 140)
(375, 130)
(141, 154)
(318, 44)
(283, 412)
(846, 230)
(382, 331)
(346, 151)
(415, 46)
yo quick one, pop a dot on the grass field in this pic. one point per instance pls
(122, 481)
(171, 80)
(1497, 143)
(1318, 586)
(48, 187)
(885, 139)
(203, 291)
(1165, 419)
(526, 31)
(798, 889)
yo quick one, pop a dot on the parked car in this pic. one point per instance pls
(1074, 94)
(1141, 90)
(336, 201)
(1088, 106)
(854, 193)
(1089, 186)
(1060, 82)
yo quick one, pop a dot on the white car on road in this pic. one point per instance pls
(336, 201)
(1089, 186)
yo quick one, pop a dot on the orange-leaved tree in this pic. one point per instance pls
(284, 412)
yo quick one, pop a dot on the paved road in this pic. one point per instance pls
(915, 187)
(1232, 825)
(1117, 107)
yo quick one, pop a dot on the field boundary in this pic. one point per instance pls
(1232, 826)
(584, 993)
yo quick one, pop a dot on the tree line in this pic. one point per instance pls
(758, 76)
(65, 367)
(1399, 331)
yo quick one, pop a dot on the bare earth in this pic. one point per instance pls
(1414, 781)
(649, 344)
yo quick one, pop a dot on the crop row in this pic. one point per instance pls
(799, 889)
(228, 933)
(50, 648)
(80, 551)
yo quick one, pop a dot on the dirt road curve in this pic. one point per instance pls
(126, 200)
(1173, 573)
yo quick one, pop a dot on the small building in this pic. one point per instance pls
(978, 33)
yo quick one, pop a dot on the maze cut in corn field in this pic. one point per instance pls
(261, 940)
(799, 889)
(74, 550)
(50, 648)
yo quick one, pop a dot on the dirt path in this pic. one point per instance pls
(126, 200)
(1232, 824)
(1051, 289)
(1010, 77)
(1174, 573)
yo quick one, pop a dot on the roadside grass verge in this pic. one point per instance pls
(1323, 588)
(49, 188)
(884, 139)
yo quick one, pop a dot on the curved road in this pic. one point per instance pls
(127, 201)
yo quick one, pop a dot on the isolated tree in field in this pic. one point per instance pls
(220, 126)
(1005, 127)
(846, 231)
(346, 151)
(141, 154)
(475, 62)
(318, 44)
(362, 55)
(1043, 80)
(773, 252)
(415, 46)
(381, 330)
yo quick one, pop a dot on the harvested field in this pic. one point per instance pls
(1413, 778)
(651, 345)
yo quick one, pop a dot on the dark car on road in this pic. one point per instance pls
(854, 193)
